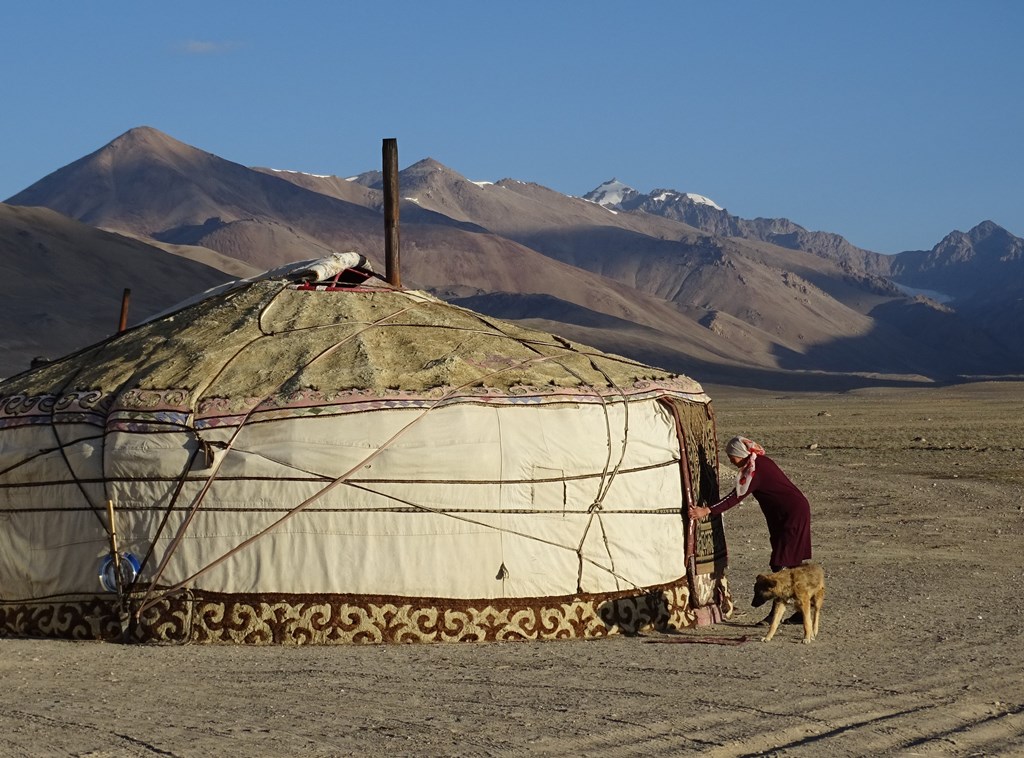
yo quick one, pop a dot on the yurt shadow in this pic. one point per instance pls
(633, 615)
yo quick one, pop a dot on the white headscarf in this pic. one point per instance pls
(741, 447)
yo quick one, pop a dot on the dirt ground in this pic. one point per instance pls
(918, 505)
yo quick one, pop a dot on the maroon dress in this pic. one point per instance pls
(785, 509)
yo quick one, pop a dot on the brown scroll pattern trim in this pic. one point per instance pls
(264, 620)
(343, 619)
(87, 619)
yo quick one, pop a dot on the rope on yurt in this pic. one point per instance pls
(387, 321)
(61, 447)
(197, 502)
(474, 522)
(342, 479)
(44, 451)
(606, 479)
(605, 482)
(625, 440)
(167, 513)
(94, 507)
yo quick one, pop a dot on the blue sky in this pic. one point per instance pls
(891, 123)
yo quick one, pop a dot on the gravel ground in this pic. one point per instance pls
(918, 505)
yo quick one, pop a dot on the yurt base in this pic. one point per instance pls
(339, 619)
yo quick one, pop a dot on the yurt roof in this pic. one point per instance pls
(287, 332)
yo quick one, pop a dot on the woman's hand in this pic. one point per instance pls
(698, 512)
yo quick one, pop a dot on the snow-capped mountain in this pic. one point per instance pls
(703, 213)
(667, 277)
(614, 194)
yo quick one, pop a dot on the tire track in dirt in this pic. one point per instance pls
(929, 730)
(845, 729)
(114, 743)
(920, 717)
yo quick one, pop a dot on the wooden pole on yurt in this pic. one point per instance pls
(392, 272)
(113, 548)
(126, 296)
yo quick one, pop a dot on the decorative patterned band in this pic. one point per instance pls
(304, 619)
(175, 406)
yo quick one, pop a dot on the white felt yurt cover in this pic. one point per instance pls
(289, 455)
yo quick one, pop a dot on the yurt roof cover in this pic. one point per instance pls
(301, 328)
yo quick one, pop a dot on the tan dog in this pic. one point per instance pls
(802, 586)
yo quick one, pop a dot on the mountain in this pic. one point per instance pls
(670, 278)
(979, 272)
(966, 267)
(148, 184)
(715, 279)
(705, 214)
(796, 309)
(62, 283)
(265, 220)
(963, 267)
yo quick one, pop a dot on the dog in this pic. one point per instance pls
(802, 586)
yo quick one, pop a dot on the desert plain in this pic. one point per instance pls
(917, 497)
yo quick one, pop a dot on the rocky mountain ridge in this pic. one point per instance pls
(706, 215)
(670, 278)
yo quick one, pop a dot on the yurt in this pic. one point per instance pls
(317, 456)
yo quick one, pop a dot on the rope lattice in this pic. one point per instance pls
(605, 479)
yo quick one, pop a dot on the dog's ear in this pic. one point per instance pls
(765, 581)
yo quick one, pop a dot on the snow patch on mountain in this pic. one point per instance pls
(669, 195)
(612, 193)
(608, 208)
(616, 194)
(300, 173)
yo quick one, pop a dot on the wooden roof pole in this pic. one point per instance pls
(392, 269)
(126, 296)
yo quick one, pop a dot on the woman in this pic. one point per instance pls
(784, 506)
